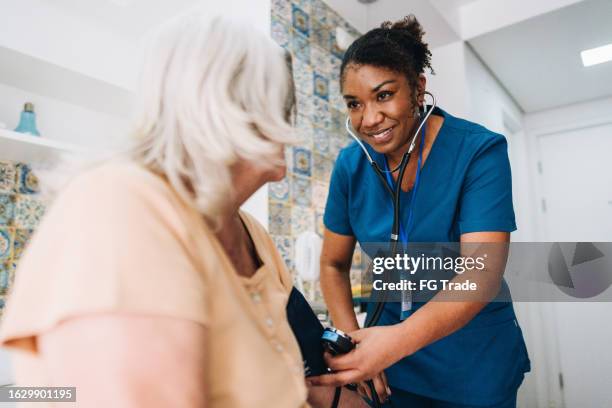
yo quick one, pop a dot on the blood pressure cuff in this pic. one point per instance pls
(308, 331)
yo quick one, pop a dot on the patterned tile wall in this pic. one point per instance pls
(307, 29)
(20, 212)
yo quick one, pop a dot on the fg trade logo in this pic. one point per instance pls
(581, 269)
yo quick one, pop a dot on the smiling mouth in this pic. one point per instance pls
(382, 136)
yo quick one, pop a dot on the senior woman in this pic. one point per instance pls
(145, 285)
(457, 188)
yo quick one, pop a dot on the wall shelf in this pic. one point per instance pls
(45, 78)
(20, 147)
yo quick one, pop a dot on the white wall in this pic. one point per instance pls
(43, 30)
(492, 106)
(583, 355)
(449, 84)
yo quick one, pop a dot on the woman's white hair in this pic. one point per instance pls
(213, 91)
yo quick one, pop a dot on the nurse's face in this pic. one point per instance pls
(381, 106)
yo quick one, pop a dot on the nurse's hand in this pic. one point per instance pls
(377, 348)
(380, 385)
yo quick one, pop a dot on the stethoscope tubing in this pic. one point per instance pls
(395, 194)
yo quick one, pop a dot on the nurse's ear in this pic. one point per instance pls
(421, 84)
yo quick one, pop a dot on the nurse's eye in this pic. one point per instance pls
(352, 105)
(384, 95)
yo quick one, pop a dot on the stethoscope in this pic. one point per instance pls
(396, 230)
(385, 177)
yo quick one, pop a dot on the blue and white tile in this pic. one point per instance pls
(8, 176)
(27, 182)
(320, 189)
(321, 85)
(304, 103)
(321, 116)
(279, 190)
(321, 167)
(304, 132)
(282, 8)
(319, 60)
(319, 11)
(302, 75)
(7, 235)
(288, 161)
(319, 225)
(334, 47)
(301, 191)
(334, 74)
(302, 161)
(319, 35)
(300, 20)
(335, 64)
(284, 244)
(302, 219)
(300, 45)
(28, 211)
(305, 5)
(338, 141)
(280, 32)
(336, 100)
(279, 218)
(337, 120)
(7, 276)
(334, 90)
(7, 209)
(320, 141)
(20, 241)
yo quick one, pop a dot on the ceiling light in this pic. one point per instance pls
(597, 55)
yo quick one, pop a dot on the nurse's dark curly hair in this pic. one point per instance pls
(396, 46)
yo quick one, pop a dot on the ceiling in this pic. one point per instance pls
(538, 60)
(438, 32)
(132, 17)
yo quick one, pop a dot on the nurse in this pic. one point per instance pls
(434, 354)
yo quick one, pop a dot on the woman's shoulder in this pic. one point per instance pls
(470, 138)
(119, 193)
(118, 185)
(116, 177)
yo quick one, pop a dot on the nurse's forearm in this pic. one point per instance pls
(336, 288)
(434, 321)
(450, 310)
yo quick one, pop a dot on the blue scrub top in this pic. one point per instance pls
(465, 187)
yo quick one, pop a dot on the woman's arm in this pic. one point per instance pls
(336, 257)
(121, 360)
